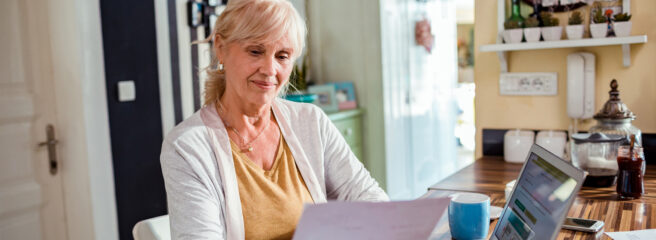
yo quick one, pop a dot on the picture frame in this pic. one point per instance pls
(345, 95)
(195, 14)
(325, 97)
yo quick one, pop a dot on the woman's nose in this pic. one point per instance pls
(268, 67)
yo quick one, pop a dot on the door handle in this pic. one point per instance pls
(51, 143)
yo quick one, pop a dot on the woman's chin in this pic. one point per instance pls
(262, 98)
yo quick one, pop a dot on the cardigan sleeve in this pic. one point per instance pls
(346, 177)
(195, 211)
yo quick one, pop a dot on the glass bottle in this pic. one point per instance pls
(516, 14)
(615, 118)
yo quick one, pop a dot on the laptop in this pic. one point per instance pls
(541, 198)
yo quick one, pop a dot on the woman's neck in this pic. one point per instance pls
(242, 114)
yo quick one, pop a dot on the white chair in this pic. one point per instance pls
(156, 228)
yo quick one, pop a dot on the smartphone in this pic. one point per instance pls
(584, 225)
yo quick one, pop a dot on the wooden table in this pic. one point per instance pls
(489, 175)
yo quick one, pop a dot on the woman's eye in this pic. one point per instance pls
(255, 52)
(283, 57)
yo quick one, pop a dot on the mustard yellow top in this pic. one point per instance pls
(271, 201)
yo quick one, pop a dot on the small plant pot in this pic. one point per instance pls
(574, 31)
(622, 29)
(513, 35)
(532, 34)
(552, 33)
(598, 30)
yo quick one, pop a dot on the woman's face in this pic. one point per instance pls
(255, 72)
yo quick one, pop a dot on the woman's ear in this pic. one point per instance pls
(219, 47)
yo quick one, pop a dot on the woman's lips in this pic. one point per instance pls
(264, 84)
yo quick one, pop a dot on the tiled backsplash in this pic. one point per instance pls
(493, 144)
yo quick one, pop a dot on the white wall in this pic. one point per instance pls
(164, 66)
(345, 45)
(79, 79)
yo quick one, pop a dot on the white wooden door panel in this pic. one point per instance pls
(21, 227)
(31, 204)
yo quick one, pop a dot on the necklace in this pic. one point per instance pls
(245, 146)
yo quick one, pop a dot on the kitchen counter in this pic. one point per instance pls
(489, 175)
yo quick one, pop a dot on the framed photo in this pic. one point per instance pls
(345, 95)
(195, 14)
(326, 98)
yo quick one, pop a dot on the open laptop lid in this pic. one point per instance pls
(541, 198)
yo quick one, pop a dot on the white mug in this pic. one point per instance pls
(516, 145)
(553, 141)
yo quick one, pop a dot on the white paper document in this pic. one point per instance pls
(633, 235)
(366, 220)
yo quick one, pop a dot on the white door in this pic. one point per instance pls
(433, 77)
(31, 198)
(395, 43)
(420, 111)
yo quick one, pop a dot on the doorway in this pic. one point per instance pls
(429, 107)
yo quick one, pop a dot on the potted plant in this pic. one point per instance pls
(531, 29)
(599, 27)
(551, 30)
(622, 25)
(575, 28)
(513, 32)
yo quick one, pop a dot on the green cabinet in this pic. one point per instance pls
(349, 124)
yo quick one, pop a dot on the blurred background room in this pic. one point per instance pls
(90, 88)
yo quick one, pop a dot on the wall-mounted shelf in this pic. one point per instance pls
(625, 42)
(502, 49)
(588, 42)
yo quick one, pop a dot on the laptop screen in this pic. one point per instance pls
(538, 203)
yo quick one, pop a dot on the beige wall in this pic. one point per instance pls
(637, 82)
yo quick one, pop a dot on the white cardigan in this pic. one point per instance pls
(201, 185)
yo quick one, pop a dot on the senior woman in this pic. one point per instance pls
(244, 164)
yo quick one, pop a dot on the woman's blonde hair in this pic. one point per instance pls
(253, 20)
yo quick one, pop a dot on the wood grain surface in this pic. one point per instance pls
(489, 175)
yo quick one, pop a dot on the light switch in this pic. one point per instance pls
(126, 91)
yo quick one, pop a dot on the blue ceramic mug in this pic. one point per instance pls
(469, 215)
